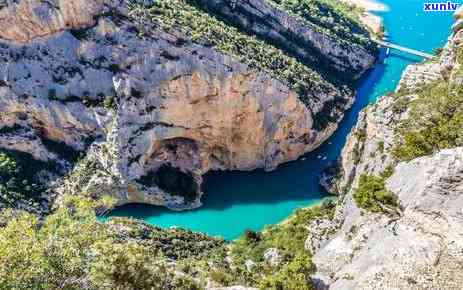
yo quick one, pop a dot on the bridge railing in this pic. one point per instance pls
(404, 49)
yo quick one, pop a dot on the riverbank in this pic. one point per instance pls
(374, 22)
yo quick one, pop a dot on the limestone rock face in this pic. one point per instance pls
(149, 113)
(420, 248)
(368, 146)
(263, 19)
(25, 20)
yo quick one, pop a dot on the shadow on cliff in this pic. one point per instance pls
(291, 182)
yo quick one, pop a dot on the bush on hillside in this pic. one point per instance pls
(70, 249)
(435, 122)
(294, 275)
(289, 238)
(373, 196)
(18, 180)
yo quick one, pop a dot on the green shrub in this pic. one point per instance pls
(388, 172)
(435, 122)
(221, 277)
(70, 249)
(460, 56)
(175, 243)
(361, 135)
(17, 179)
(373, 196)
(400, 105)
(381, 146)
(289, 238)
(294, 275)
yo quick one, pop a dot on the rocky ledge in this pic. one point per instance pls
(154, 108)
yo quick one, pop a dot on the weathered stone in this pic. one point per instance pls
(160, 111)
(422, 248)
(320, 232)
(263, 19)
(249, 264)
(272, 257)
(31, 19)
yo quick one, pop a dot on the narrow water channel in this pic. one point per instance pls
(236, 201)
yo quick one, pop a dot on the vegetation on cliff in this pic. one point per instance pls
(332, 17)
(373, 196)
(19, 187)
(435, 121)
(288, 239)
(207, 30)
(70, 249)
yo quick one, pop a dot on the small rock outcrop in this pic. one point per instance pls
(272, 257)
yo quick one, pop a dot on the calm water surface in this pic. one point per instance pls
(236, 201)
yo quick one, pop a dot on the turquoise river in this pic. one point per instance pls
(236, 201)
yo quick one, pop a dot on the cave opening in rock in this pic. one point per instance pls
(173, 181)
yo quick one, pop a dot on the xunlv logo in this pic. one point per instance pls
(444, 6)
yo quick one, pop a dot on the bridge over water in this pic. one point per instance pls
(404, 49)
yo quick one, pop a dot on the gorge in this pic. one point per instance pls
(268, 198)
(221, 125)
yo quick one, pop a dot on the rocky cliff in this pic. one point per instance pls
(337, 55)
(419, 244)
(154, 106)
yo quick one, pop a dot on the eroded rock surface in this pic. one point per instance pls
(422, 246)
(349, 61)
(25, 20)
(153, 111)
